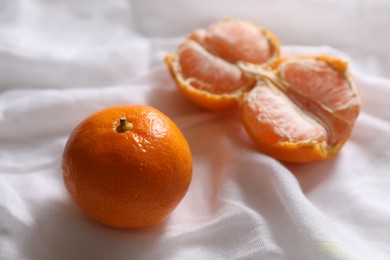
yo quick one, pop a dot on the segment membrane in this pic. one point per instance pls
(207, 72)
(316, 80)
(235, 40)
(325, 93)
(275, 118)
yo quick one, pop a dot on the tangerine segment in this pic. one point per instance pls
(281, 128)
(236, 40)
(206, 80)
(207, 72)
(127, 175)
(317, 80)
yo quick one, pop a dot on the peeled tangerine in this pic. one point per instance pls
(299, 109)
(205, 65)
(304, 110)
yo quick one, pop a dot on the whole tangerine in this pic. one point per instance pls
(127, 166)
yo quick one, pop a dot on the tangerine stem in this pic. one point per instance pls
(124, 126)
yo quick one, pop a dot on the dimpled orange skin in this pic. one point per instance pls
(127, 179)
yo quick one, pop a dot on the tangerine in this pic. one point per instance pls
(304, 110)
(298, 109)
(205, 65)
(127, 166)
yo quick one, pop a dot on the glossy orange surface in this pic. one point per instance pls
(127, 178)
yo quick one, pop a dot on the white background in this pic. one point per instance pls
(62, 60)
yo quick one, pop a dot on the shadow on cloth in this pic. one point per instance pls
(63, 229)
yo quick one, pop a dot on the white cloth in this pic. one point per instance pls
(62, 60)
